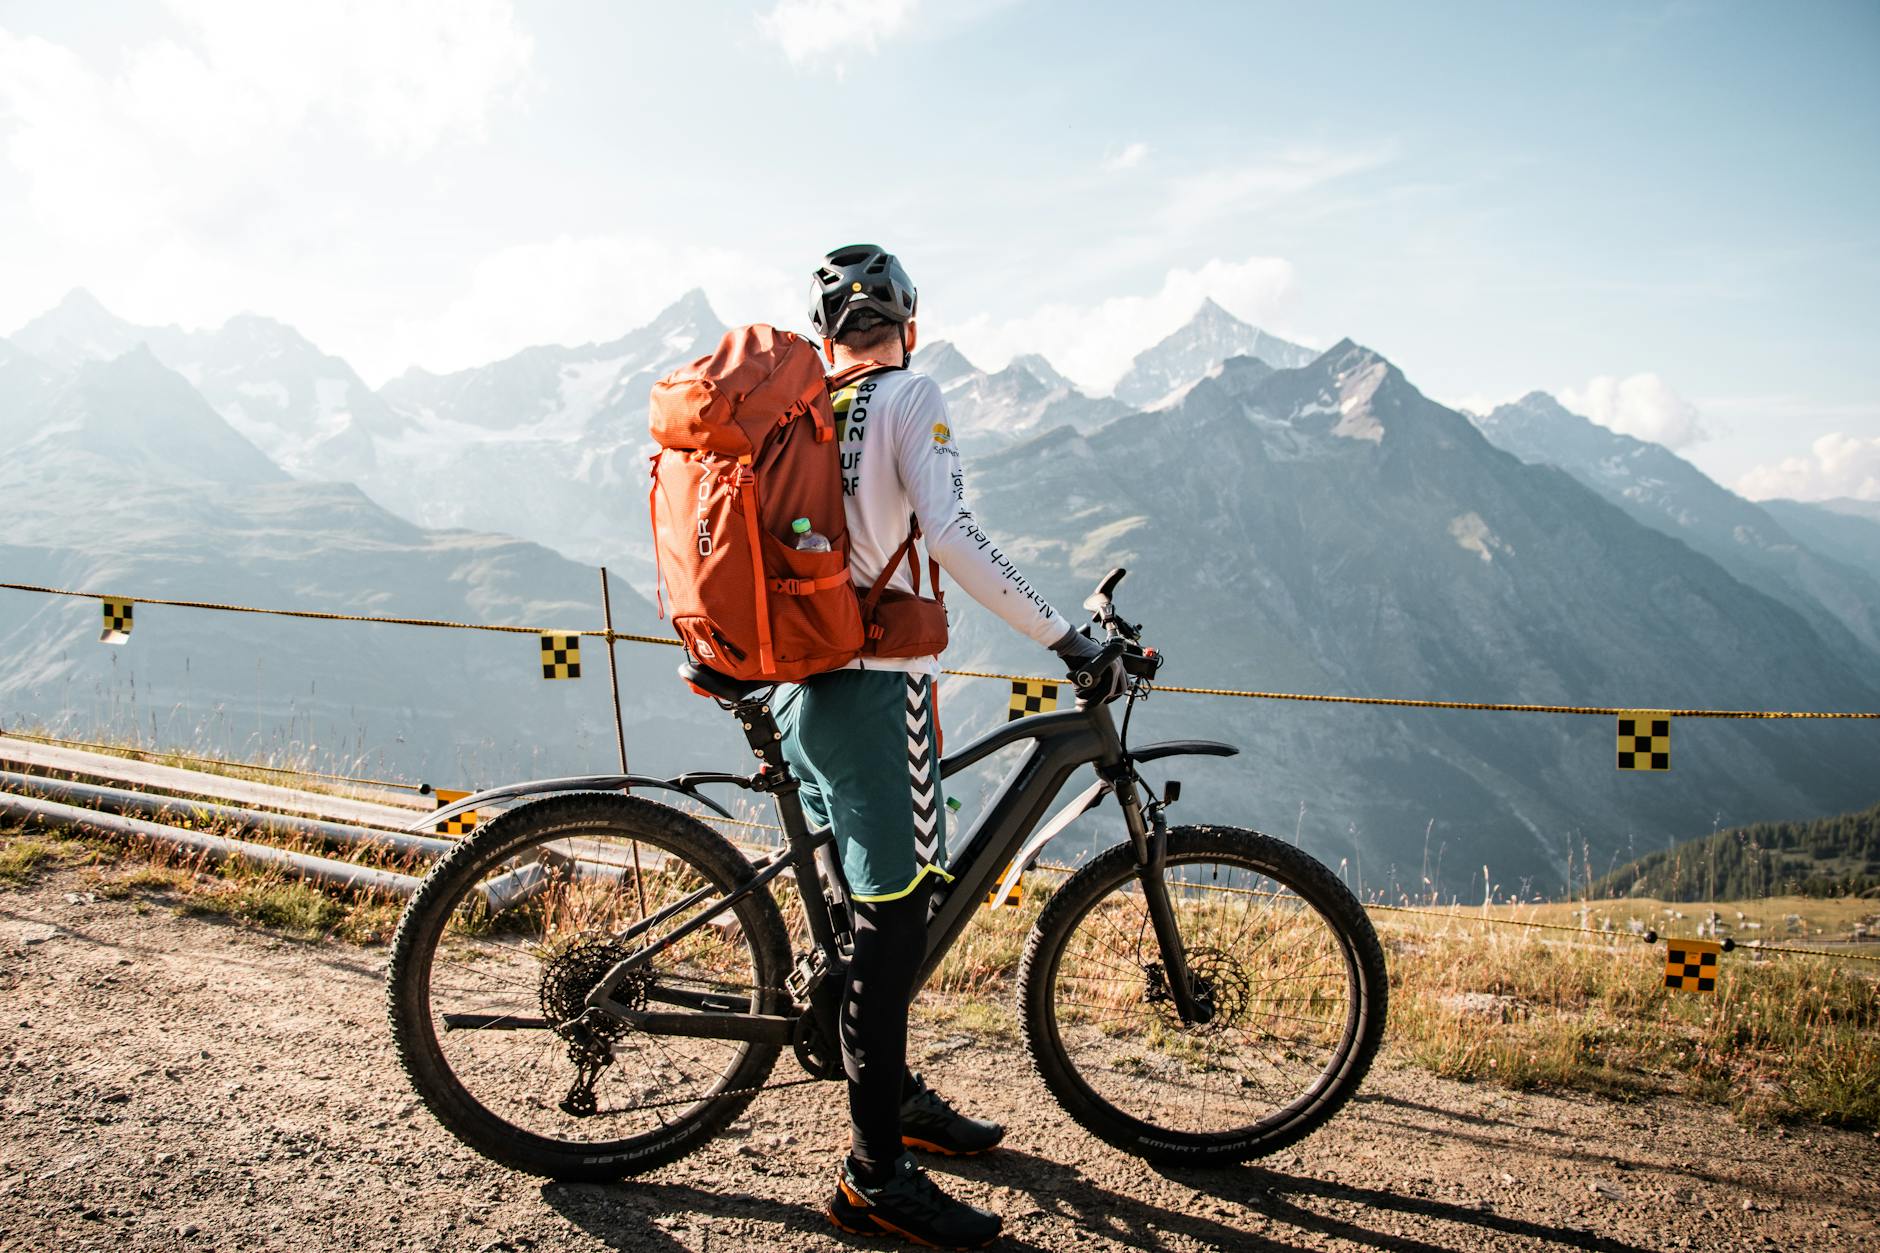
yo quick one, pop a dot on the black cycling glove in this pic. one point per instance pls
(1078, 652)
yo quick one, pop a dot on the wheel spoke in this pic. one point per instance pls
(1271, 967)
(542, 955)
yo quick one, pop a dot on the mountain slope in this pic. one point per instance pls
(131, 418)
(1158, 374)
(1027, 396)
(24, 381)
(1329, 529)
(310, 412)
(135, 486)
(76, 330)
(1668, 494)
(1830, 856)
(549, 444)
(1847, 531)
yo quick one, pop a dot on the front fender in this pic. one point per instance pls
(1183, 748)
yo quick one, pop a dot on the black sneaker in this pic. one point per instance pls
(911, 1206)
(929, 1123)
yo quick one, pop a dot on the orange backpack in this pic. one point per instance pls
(747, 445)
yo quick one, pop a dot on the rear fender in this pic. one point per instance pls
(573, 783)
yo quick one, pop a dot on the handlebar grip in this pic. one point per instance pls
(1085, 678)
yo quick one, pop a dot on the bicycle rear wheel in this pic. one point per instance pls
(1279, 948)
(509, 933)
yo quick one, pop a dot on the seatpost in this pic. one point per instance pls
(775, 777)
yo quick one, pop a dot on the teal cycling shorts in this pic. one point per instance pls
(865, 745)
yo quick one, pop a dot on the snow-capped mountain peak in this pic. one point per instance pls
(943, 363)
(1160, 373)
(1042, 370)
(79, 328)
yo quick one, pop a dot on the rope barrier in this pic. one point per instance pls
(317, 615)
(422, 789)
(1746, 946)
(1235, 693)
(1404, 703)
(613, 636)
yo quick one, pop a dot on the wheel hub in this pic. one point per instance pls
(1220, 984)
(568, 978)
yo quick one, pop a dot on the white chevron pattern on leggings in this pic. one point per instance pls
(921, 783)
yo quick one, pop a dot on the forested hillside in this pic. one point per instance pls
(1824, 857)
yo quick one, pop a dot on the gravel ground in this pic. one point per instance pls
(171, 1082)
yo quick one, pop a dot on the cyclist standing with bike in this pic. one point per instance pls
(864, 741)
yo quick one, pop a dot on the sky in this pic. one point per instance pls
(1663, 213)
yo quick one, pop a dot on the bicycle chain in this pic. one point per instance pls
(694, 1100)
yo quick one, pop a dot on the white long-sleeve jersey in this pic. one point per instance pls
(901, 460)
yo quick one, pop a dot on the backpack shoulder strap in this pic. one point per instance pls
(857, 372)
(904, 553)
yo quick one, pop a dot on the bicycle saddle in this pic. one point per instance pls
(722, 686)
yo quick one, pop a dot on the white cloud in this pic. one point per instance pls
(578, 290)
(1094, 343)
(1198, 199)
(181, 132)
(1128, 158)
(1838, 465)
(1640, 405)
(806, 29)
(216, 166)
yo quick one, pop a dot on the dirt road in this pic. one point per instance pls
(174, 1083)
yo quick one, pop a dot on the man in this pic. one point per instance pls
(864, 742)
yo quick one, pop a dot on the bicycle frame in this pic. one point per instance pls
(1060, 744)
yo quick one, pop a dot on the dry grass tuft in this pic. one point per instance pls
(1784, 1038)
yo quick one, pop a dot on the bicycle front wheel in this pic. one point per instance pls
(1279, 950)
(499, 948)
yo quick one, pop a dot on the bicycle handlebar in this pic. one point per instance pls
(1125, 637)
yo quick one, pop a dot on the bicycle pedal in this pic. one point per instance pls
(809, 972)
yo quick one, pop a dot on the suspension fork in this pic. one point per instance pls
(1148, 834)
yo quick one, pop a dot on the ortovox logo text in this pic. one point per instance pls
(704, 514)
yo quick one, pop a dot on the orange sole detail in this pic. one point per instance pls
(929, 1244)
(928, 1147)
(841, 1226)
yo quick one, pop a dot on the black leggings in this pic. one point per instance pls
(890, 941)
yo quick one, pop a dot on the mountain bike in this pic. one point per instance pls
(593, 984)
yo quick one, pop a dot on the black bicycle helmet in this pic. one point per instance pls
(860, 277)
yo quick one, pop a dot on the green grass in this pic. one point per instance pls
(1783, 1038)
(291, 907)
(23, 857)
(235, 890)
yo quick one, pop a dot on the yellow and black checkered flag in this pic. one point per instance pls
(1691, 965)
(561, 656)
(117, 622)
(458, 824)
(1644, 740)
(1032, 696)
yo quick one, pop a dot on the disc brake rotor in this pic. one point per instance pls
(1220, 982)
